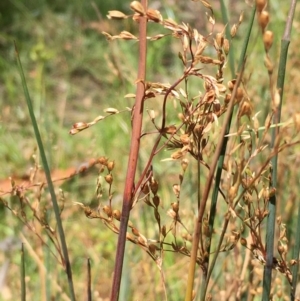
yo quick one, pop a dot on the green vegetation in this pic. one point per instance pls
(75, 74)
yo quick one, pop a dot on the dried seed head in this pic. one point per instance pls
(227, 98)
(260, 5)
(103, 160)
(110, 165)
(231, 84)
(163, 230)
(245, 109)
(137, 7)
(135, 231)
(185, 43)
(296, 119)
(185, 162)
(263, 19)
(266, 193)
(226, 46)
(181, 117)
(268, 39)
(152, 248)
(107, 210)
(279, 293)
(109, 179)
(117, 214)
(184, 138)
(176, 190)
(241, 18)
(219, 39)
(129, 237)
(78, 126)
(233, 30)
(115, 14)
(239, 94)
(154, 186)
(177, 155)
(243, 242)
(154, 15)
(145, 188)
(112, 110)
(232, 193)
(156, 200)
(175, 207)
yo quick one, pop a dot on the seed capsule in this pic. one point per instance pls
(110, 165)
(108, 178)
(263, 19)
(268, 40)
(260, 5)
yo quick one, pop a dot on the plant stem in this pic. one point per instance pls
(213, 208)
(198, 222)
(23, 284)
(285, 41)
(133, 156)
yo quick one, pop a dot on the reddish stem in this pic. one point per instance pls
(133, 156)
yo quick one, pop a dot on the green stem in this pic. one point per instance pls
(213, 208)
(285, 41)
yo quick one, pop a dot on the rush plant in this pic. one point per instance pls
(209, 126)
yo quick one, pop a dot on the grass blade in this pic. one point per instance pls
(48, 177)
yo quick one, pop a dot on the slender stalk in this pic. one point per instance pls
(227, 30)
(56, 209)
(133, 156)
(23, 285)
(198, 222)
(212, 214)
(296, 251)
(89, 281)
(285, 41)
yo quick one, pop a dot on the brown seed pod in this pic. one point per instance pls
(156, 200)
(243, 242)
(164, 231)
(135, 231)
(260, 5)
(154, 186)
(117, 214)
(268, 39)
(233, 30)
(107, 210)
(110, 165)
(109, 178)
(137, 7)
(231, 84)
(226, 46)
(263, 19)
(103, 160)
(175, 207)
(227, 98)
(219, 39)
(239, 94)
